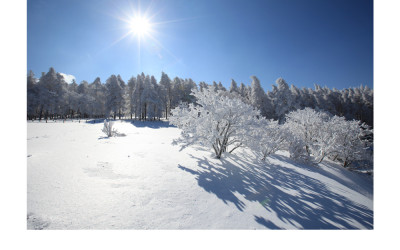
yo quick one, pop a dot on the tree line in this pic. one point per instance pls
(143, 97)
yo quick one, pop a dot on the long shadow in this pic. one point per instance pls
(95, 121)
(297, 199)
(137, 123)
(363, 186)
(150, 124)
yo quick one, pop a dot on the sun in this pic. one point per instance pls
(140, 26)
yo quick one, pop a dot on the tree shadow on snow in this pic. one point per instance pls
(298, 200)
(150, 124)
(136, 123)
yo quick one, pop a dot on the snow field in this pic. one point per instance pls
(80, 179)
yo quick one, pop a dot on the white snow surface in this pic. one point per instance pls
(80, 179)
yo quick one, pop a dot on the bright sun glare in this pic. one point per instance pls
(140, 26)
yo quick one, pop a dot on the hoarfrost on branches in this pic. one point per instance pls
(108, 128)
(216, 121)
(318, 135)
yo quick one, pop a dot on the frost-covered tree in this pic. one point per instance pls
(108, 129)
(234, 88)
(189, 85)
(136, 100)
(257, 94)
(319, 135)
(166, 93)
(85, 100)
(203, 85)
(98, 92)
(177, 92)
(150, 99)
(243, 92)
(268, 108)
(221, 87)
(115, 96)
(304, 126)
(131, 86)
(348, 140)
(296, 98)
(216, 121)
(282, 99)
(214, 86)
(32, 96)
(52, 95)
(83, 88)
(269, 137)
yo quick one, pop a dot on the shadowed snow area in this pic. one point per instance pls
(80, 179)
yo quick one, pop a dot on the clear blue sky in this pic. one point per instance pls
(328, 42)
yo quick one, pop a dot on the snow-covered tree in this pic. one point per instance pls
(131, 86)
(347, 141)
(268, 109)
(108, 128)
(270, 137)
(243, 92)
(296, 98)
(98, 91)
(115, 96)
(32, 95)
(214, 86)
(177, 93)
(166, 93)
(187, 87)
(257, 94)
(234, 88)
(319, 135)
(203, 85)
(52, 95)
(282, 99)
(216, 121)
(221, 87)
(136, 95)
(304, 126)
(150, 98)
(83, 88)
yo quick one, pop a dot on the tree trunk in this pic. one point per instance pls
(145, 111)
(323, 156)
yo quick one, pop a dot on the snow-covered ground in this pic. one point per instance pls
(79, 179)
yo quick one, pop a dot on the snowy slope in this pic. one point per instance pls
(78, 179)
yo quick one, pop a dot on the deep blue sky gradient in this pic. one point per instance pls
(328, 42)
